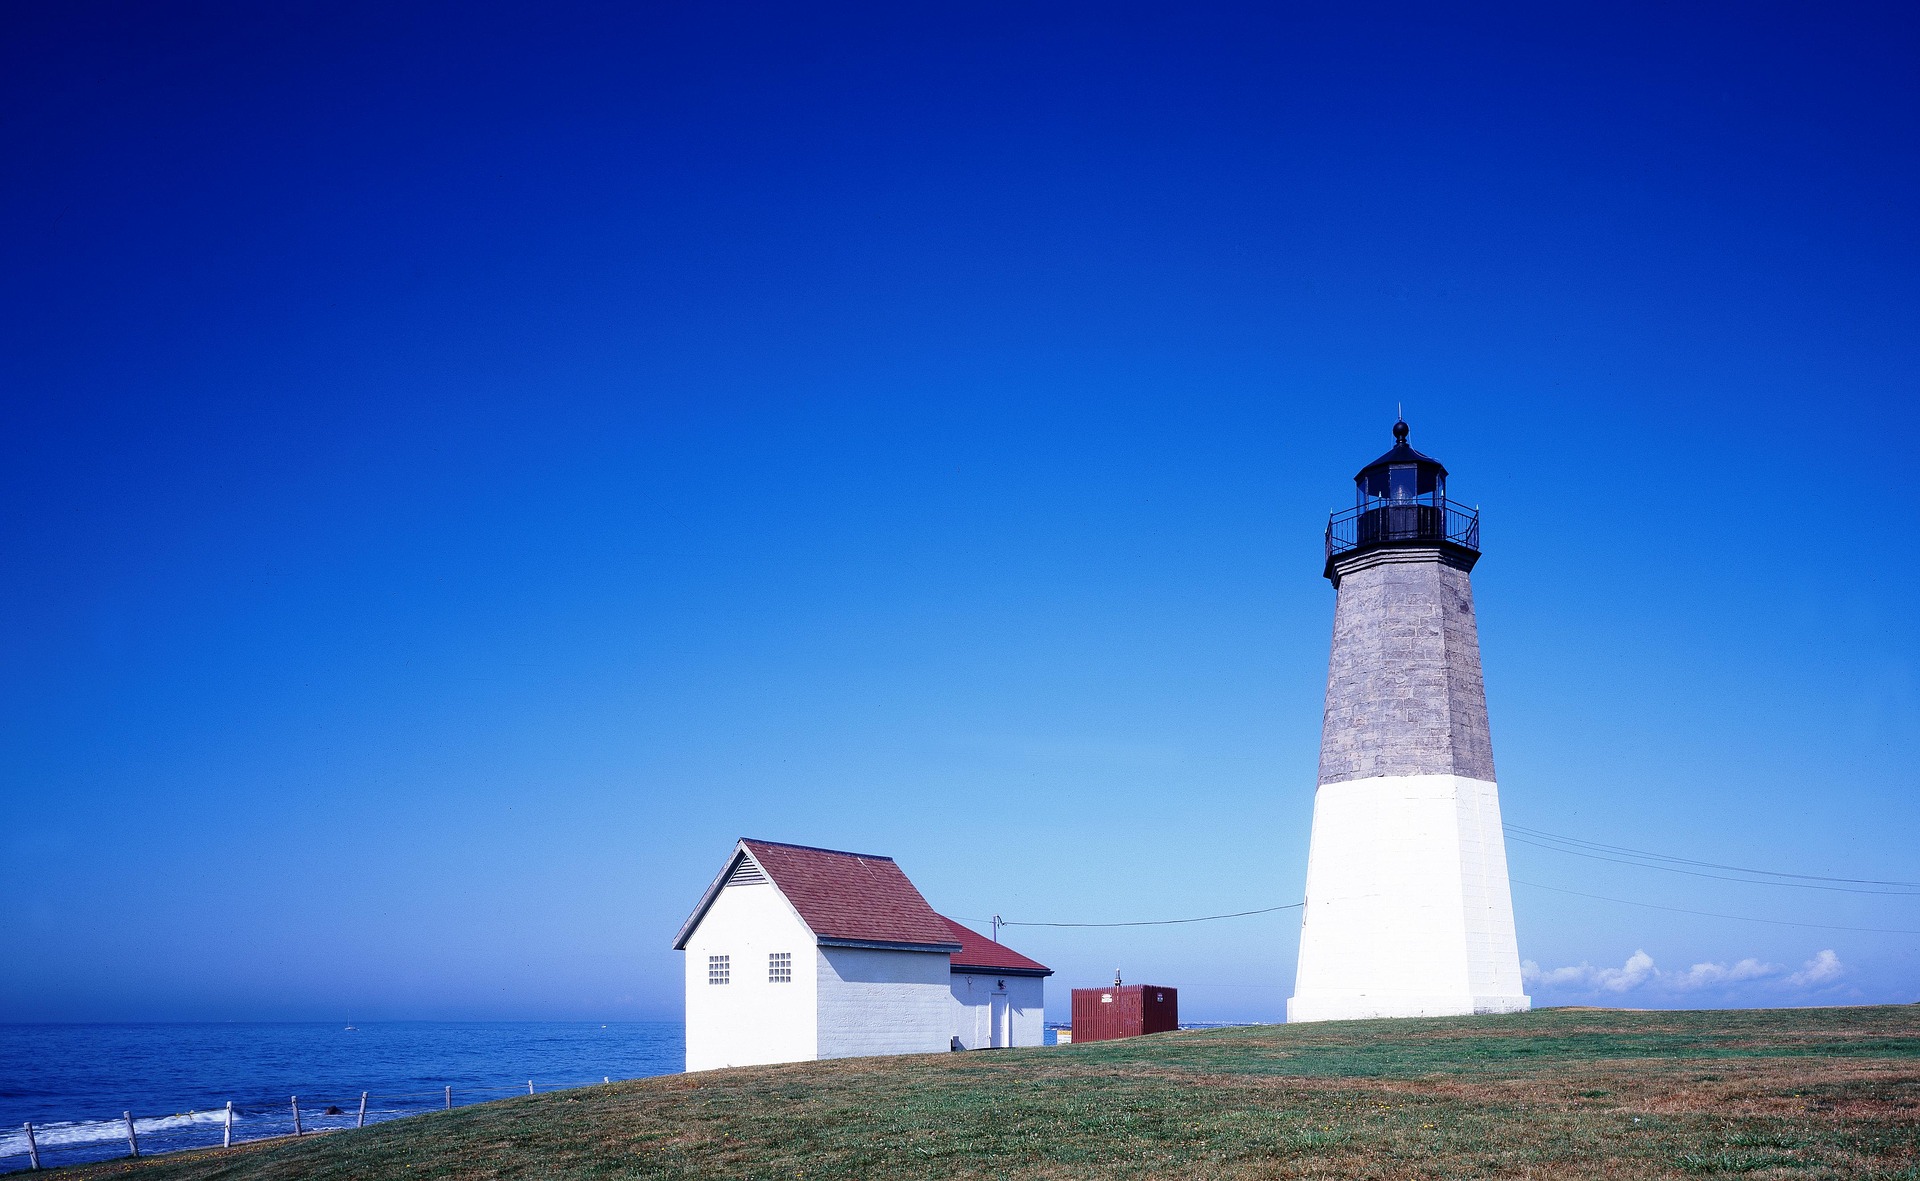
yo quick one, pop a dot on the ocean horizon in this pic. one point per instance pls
(75, 1081)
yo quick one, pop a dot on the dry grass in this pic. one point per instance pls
(1806, 1094)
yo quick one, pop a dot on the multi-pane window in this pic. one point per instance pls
(779, 967)
(719, 969)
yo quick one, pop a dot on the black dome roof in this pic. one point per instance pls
(1401, 452)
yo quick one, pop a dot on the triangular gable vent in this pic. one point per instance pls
(747, 874)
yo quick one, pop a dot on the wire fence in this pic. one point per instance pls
(53, 1144)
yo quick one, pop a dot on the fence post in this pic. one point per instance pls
(449, 1098)
(226, 1139)
(296, 1115)
(529, 1086)
(363, 1111)
(133, 1142)
(33, 1148)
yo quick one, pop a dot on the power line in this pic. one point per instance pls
(1716, 876)
(1744, 918)
(1205, 918)
(1772, 873)
(1805, 881)
(1519, 881)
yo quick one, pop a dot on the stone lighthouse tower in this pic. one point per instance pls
(1408, 909)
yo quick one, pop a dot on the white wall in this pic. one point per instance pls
(972, 1007)
(883, 1002)
(1493, 949)
(1408, 907)
(749, 1020)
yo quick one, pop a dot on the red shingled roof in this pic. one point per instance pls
(852, 896)
(983, 954)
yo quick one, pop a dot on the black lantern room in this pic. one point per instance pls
(1400, 499)
(1402, 475)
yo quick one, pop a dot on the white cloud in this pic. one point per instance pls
(1632, 974)
(1640, 971)
(1821, 969)
(1705, 975)
(1636, 971)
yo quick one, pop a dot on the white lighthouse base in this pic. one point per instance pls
(1408, 912)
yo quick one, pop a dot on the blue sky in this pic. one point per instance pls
(464, 465)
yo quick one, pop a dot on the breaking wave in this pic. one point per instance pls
(95, 1131)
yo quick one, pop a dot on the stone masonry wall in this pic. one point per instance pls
(1404, 692)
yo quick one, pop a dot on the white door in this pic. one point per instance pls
(1000, 1018)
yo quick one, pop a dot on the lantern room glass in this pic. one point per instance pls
(1404, 483)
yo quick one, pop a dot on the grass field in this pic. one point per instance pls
(1806, 1094)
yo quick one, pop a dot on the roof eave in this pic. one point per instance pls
(706, 900)
(887, 945)
(990, 970)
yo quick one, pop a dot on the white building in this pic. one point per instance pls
(796, 953)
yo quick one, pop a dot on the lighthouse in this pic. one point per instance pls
(1408, 911)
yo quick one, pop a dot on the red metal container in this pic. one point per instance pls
(1128, 1010)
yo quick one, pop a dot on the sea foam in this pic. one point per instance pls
(94, 1131)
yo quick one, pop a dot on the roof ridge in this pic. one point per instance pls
(841, 895)
(816, 849)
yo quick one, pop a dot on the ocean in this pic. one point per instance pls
(74, 1082)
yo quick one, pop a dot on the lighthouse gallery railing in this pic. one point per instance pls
(1428, 518)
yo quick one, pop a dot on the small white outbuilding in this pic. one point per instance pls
(796, 953)
(999, 995)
